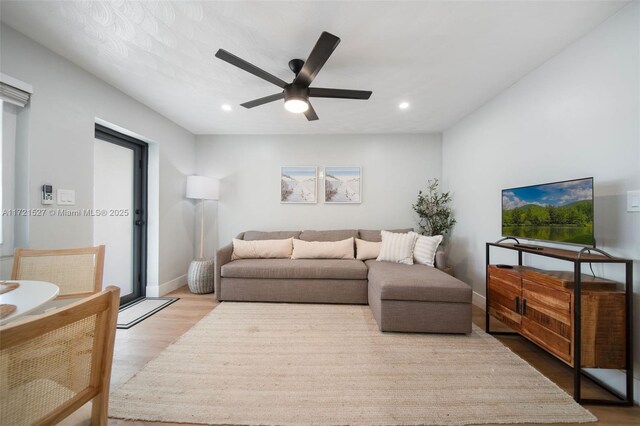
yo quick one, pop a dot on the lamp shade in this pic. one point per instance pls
(203, 188)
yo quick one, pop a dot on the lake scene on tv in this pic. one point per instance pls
(559, 212)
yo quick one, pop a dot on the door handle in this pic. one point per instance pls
(517, 305)
(139, 222)
(524, 307)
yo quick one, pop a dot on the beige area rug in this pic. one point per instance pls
(295, 364)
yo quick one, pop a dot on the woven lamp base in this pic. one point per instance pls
(200, 276)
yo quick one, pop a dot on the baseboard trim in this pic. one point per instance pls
(168, 287)
(479, 300)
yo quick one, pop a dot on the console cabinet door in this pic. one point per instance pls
(505, 295)
(547, 318)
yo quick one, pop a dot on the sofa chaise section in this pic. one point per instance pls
(418, 298)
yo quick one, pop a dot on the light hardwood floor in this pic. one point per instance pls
(138, 345)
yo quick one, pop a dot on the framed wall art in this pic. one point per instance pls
(342, 185)
(298, 184)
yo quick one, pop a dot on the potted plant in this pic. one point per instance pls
(434, 212)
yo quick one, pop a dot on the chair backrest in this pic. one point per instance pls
(54, 363)
(77, 271)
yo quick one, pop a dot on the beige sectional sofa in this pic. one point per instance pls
(404, 298)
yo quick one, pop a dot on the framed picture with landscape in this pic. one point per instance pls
(342, 185)
(298, 184)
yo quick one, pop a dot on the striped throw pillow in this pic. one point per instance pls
(424, 252)
(397, 248)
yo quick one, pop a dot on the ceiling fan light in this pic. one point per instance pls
(296, 105)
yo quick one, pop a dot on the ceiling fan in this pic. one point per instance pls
(297, 93)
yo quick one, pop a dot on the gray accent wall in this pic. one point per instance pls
(394, 168)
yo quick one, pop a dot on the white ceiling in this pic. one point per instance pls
(445, 58)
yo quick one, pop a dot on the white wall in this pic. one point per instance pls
(63, 111)
(394, 168)
(575, 116)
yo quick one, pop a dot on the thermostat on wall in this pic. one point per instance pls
(47, 194)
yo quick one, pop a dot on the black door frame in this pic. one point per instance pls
(139, 215)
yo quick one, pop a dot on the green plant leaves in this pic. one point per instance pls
(435, 214)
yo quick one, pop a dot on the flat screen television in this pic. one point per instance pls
(559, 212)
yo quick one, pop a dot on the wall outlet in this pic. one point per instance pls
(633, 201)
(66, 197)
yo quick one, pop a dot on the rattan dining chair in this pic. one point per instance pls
(54, 363)
(77, 271)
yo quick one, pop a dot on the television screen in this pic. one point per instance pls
(559, 212)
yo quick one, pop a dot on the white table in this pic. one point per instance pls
(28, 297)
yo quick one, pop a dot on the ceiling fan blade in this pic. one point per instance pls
(311, 113)
(318, 92)
(250, 68)
(262, 101)
(324, 47)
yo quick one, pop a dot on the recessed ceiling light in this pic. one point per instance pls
(403, 105)
(226, 107)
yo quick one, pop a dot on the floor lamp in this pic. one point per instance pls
(200, 276)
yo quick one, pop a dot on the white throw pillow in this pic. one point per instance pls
(424, 252)
(323, 249)
(367, 249)
(397, 248)
(262, 249)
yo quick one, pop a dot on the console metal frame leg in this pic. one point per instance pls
(627, 398)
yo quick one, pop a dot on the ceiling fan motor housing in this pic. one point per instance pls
(292, 91)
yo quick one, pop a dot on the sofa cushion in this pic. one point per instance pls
(323, 249)
(334, 235)
(375, 235)
(397, 247)
(424, 252)
(272, 235)
(367, 249)
(260, 249)
(341, 269)
(394, 281)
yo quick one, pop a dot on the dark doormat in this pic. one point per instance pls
(132, 314)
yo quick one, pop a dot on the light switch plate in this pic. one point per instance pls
(633, 201)
(66, 197)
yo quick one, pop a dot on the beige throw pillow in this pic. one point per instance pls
(424, 252)
(323, 249)
(397, 248)
(367, 249)
(262, 249)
